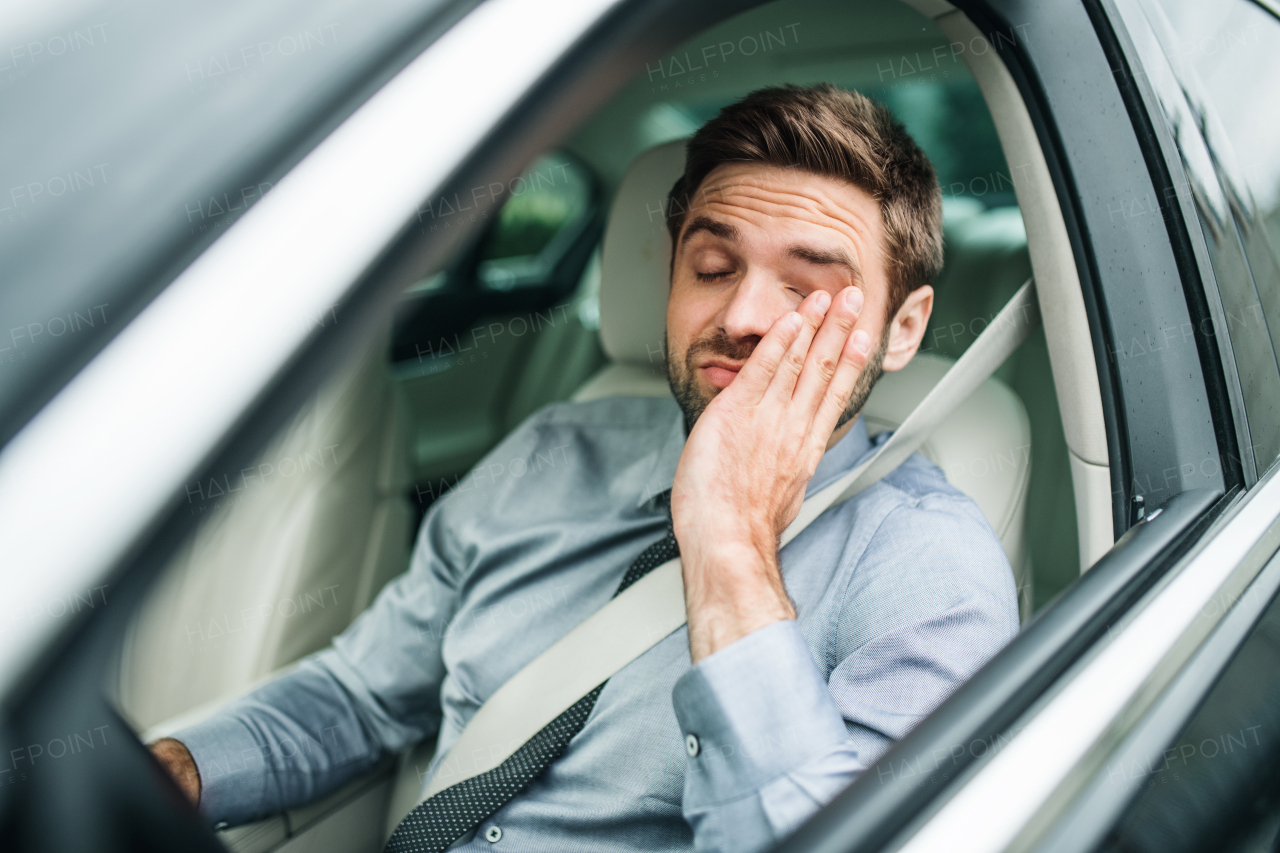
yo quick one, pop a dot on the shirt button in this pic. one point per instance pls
(691, 745)
(493, 834)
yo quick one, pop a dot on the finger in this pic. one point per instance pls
(823, 358)
(760, 373)
(853, 360)
(753, 379)
(812, 309)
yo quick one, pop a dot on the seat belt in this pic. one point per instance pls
(650, 609)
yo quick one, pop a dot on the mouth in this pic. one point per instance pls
(720, 373)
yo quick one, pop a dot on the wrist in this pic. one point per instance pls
(725, 539)
(731, 591)
(176, 759)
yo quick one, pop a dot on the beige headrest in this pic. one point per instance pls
(635, 267)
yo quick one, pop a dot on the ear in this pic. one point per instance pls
(906, 330)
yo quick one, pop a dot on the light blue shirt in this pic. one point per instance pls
(902, 593)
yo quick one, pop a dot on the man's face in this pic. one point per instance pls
(756, 241)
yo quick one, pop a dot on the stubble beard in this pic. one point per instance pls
(682, 375)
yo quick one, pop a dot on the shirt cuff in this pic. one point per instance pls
(753, 711)
(232, 768)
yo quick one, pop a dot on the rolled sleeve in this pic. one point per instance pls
(757, 708)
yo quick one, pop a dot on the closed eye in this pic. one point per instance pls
(713, 276)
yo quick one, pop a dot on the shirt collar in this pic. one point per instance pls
(847, 453)
(839, 460)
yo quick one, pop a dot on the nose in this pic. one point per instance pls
(753, 306)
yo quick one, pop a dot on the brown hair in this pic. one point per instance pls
(834, 133)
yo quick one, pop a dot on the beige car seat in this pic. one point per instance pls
(290, 550)
(984, 449)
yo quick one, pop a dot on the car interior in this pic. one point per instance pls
(562, 297)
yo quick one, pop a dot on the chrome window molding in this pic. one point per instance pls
(1012, 799)
(1102, 806)
(89, 474)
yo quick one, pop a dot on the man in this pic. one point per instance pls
(806, 230)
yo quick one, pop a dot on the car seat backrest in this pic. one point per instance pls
(289, 551)
(984, 449)
(636, 261)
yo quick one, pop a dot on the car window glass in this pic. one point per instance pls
(882, 50)
(892, 54)
(293, 547)
(1221, 95)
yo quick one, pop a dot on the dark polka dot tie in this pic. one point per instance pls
(455, 811)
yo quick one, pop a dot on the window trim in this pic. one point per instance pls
(1098, 809)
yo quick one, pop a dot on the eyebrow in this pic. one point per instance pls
(819, 257)
(723, 230)
(826, 257)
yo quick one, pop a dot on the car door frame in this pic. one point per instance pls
(1141, 440)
